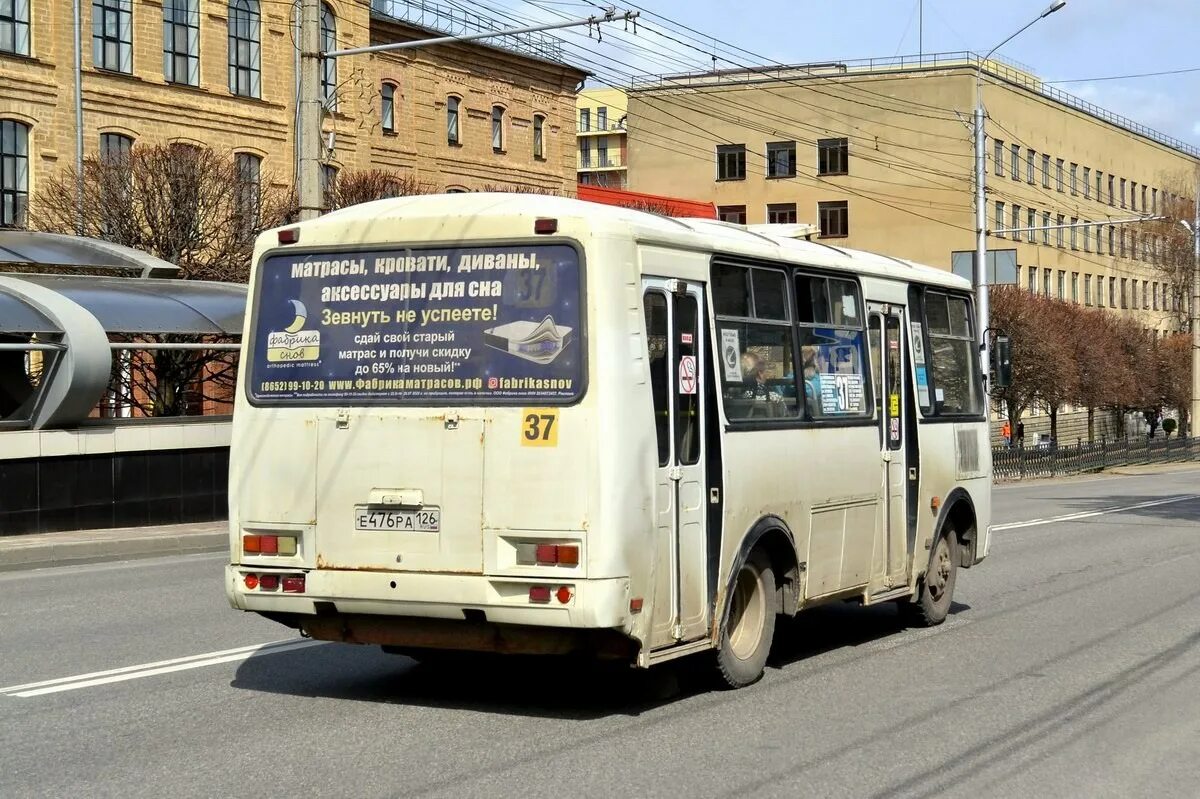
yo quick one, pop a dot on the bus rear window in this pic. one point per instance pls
(470, 325)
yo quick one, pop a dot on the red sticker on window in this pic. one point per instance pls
(685, 338)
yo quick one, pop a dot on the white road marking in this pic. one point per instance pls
(94, 678)
(1070, 517)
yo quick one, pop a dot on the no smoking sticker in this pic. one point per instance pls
(687, 374)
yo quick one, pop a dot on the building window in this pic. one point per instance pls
(115, 149)
(1112, 198)
(1155, 296)
(834, 218)
(585, 154)
(781, 159)
(1074, 233)
(1060, 230)
(14, 26)
(1033, 280)
(249, 188)
(1087, 289)
(998, 158)
(14, 172)
(732, 213)
(244, 37)
(387, 107)
(1031, 226)
(1145, 295)
(1016, 220)
(1058, 173)
(181, 41)
(1133, 195)
(1046, 277)
(1124, 247)
(1000, 218)
(1045, 171)
(585, 120)
(1112, 292)
(328, 65)
(602, 152)
(539, 142)
(1045, 227)
(1112, 239)
(498, 129)
(1154, 201)
(1124, 294)
(112, 35)
(1030, 177)
(1014, 161)
(731, 162)
(1087, 236)
(1074, 182)
(1062, 285)
(833, 156)
(781, 214)
(1087, 182)
(1099, 186)
(1099, 291)
(452, 121)
(329, 176)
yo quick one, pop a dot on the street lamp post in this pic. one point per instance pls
(1194, 315)
(981, 277)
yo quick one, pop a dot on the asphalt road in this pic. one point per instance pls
(1070, 668)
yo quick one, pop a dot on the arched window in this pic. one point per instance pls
(328, 65)
(497, 129)
(539, 122)
(452, 120)
(387, 107)
(181, 41)
(249, 177)
(329, 179)
(14, 172)
(14, 27)
(245, 25)
(115, 148)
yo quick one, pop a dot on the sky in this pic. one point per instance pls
(1086, 39)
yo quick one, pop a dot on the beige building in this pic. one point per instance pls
(223, 72)
(880, 155)
(600, 131)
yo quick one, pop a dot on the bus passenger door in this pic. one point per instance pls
(891, 566)
(674, 316)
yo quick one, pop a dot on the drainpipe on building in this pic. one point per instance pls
(79, 230)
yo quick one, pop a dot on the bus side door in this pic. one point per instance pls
(674, 324)
(889, 356)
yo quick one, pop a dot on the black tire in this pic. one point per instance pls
(749, 624)
(936, 588)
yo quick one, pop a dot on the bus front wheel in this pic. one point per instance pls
(749, 623)
(936, 591)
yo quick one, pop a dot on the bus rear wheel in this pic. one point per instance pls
(749, 623)
(932, 604)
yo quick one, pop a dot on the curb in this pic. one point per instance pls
(71, 549)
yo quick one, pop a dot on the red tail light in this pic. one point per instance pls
(557, 555)
(268, 544)
(269, 582)
(289, 235)
(563, 594)
(539, 593)
(568, 555)
(293, 584)
(251, 543)
(251, 581)
(545, 227)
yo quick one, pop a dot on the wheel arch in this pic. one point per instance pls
(958, 514)
(775, 537)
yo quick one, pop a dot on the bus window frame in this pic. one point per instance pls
(918, 311)
(856, 420)
(801, 421)
(250, 339)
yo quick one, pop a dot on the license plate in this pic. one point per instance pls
(425, 520)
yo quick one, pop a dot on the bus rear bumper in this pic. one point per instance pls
(590, 604)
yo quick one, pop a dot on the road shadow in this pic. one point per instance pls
(1183, 510)
(545, 687)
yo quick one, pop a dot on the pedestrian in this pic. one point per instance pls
(1152, 417)
(1020, 434)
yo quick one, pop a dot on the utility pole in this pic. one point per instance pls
(1194, 317)
(308, 131)
(981, 277)
(79, 226)
(311, 105)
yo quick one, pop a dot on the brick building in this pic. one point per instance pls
(223, 73)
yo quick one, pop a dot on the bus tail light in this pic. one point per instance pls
(268, 582)
(545, 227)
(251, 581)
(563, 594)
(269, 544)
(557, 555)
(539, 594)
(293, 584)
(289, 235)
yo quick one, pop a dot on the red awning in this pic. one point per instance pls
(670, 206)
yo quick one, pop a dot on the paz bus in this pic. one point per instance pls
(526, 424)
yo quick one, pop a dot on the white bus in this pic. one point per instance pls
(516, 423)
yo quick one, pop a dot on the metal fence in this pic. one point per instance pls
(1054, 460)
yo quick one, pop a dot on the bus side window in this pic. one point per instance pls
(832, 344)
(656, 346)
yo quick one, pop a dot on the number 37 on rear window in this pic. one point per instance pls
(539, 427)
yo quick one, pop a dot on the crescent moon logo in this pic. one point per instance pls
(301, 315)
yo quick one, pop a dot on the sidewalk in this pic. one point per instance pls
(1155, 468)
(91, 546)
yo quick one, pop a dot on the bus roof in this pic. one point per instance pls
(431, 212)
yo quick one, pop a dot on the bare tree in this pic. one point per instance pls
(352, 187)
(1040, 355)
